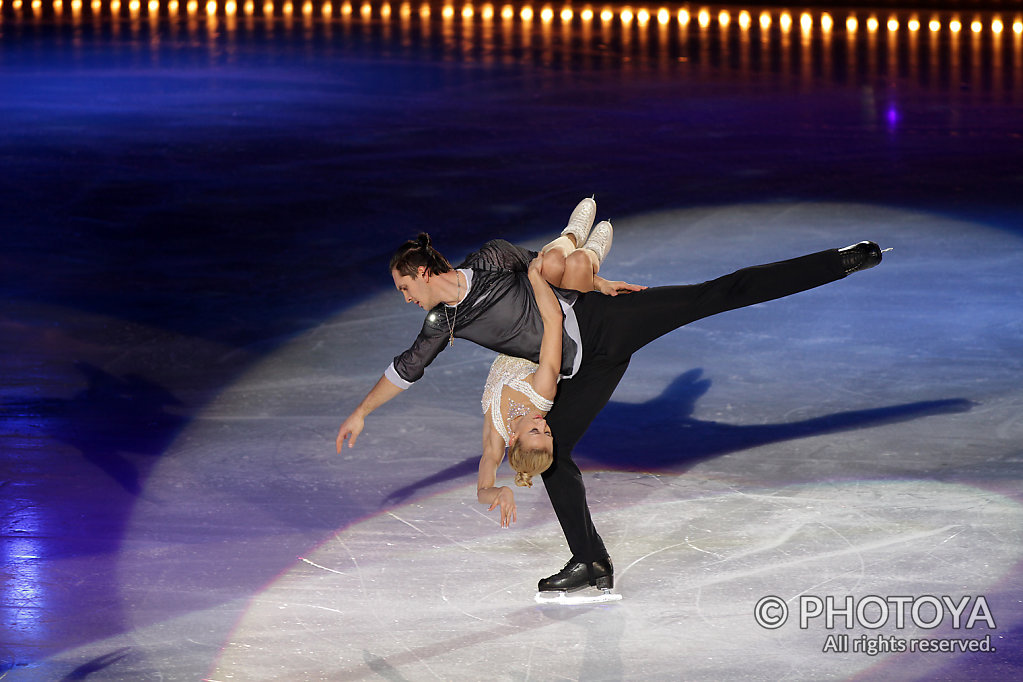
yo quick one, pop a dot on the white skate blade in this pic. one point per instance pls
(579, 597)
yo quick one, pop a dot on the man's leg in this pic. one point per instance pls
(578, 402)
(615, 327)
(619, 326)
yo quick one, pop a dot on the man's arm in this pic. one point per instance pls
(406, 369)
(378, 395)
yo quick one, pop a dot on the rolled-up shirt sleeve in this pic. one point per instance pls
(408, 368)
(392, 375)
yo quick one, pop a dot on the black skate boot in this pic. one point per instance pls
(568, 586)
(860, 256)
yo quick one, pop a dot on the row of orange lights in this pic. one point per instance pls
(703, 17)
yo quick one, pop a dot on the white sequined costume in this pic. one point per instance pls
(507, 394)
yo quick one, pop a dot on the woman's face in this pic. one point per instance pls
(533, 433)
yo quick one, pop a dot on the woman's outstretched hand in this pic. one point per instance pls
(614, 288)
(506, 499)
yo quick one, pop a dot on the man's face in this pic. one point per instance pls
(415, 289)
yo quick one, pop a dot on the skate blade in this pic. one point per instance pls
(580, 597)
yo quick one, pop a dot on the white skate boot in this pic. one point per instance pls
(581, 220)
(599, 241)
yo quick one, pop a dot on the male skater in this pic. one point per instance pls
(489, 301)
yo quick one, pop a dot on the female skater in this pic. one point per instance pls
(518, 392)
(516, 398)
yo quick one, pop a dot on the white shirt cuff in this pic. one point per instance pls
(392, 376)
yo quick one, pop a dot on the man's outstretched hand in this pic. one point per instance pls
(351, 427)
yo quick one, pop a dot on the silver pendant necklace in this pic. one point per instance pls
(458, 299)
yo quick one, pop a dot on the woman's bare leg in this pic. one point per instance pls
(580, 267)
(555, 257)
(560, 267)
(565, 243)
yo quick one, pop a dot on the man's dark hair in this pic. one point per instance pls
(419, 252)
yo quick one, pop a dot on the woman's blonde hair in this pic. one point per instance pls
(528, 462)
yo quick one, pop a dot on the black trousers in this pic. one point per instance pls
(615, 327)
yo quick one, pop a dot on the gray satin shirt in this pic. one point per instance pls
(499, 312)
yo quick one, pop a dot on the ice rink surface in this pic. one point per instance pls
(197, 225)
